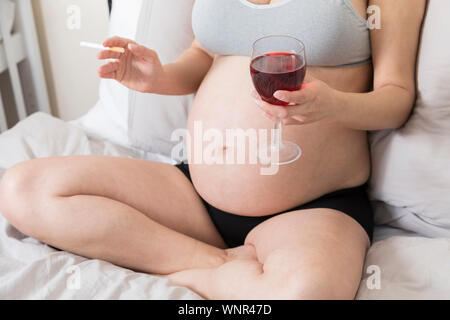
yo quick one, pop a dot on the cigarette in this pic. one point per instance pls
(100, 47)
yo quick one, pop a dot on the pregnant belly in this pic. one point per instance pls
(333, 157)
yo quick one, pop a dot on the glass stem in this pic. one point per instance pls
(277, 134)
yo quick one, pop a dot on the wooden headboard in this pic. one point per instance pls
(20, 56)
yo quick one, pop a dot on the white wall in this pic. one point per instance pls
(70, 70)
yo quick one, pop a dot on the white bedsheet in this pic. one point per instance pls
(411, 267)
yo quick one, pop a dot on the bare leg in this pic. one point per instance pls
(138, 214)
(310, 254)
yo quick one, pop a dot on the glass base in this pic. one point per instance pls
(288, 153)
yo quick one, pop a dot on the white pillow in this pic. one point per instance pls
(129, 118)
(165, 26)
(411, 166)
(108, 119)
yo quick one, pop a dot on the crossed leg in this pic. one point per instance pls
(307, 254)
(147, 216)
(138, 214)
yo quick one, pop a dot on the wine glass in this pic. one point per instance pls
(278, 63)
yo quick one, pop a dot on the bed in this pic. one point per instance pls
(408, 259)
(409, 266)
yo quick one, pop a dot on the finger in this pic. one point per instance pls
(305, 94)
(290, 121)
(300, 119)
(117, 42)
(109, 67)
(275, 111)
(295, 97)
(297, 120)
(141, 51)
(302, 110)
(106, 54)
(268, 116)
(111, 75)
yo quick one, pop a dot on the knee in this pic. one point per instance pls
(303, 286)
(18, 188)
(13, 185)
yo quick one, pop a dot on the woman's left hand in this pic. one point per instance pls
(313, 102)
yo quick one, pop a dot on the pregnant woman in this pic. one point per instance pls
(225, 230)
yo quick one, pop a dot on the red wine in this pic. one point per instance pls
(277, 71)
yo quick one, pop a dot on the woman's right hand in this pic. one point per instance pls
(138, 68)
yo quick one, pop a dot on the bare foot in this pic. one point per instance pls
(240, 261)
(245, 252)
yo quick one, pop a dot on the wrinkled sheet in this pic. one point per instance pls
(30, 269)
(408, 266)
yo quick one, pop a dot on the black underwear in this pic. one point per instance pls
(233, 228)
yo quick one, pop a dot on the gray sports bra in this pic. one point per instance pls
(333, 32)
